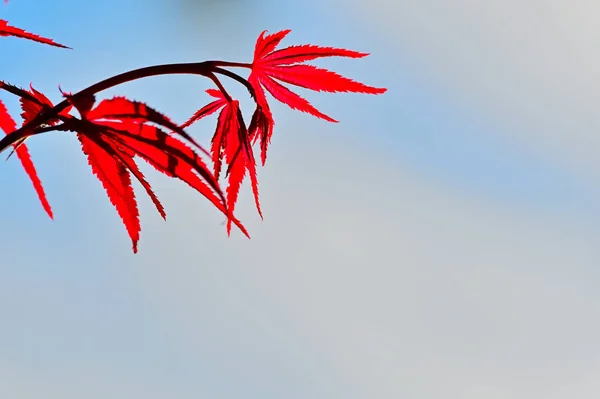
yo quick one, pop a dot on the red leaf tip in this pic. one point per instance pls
(8, 30)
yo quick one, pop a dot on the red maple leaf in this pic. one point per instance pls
(287, 65)
(115, 131)
(8, 125)
(232, 142)
(32, 102)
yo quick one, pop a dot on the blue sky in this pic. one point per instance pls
(439, 240)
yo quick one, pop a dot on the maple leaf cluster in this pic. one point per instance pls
(115, 133)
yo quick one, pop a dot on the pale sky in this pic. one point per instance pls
(439, 242)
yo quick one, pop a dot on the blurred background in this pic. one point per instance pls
(439, 242)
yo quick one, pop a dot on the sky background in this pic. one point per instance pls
(439, 242)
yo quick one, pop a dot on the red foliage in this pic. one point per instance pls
(7, 30)
(115, 131)
(232, 141)
(286, 65)
(7, 124)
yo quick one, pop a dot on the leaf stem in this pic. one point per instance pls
(231, 64)
(195, 68)
(237, 78)
(220, 86)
